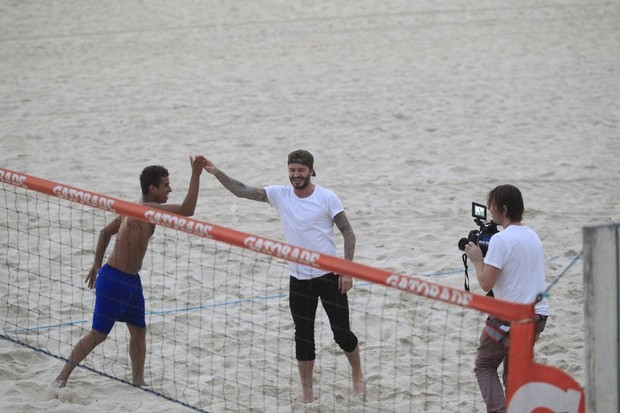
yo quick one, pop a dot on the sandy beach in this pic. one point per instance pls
(412, 110)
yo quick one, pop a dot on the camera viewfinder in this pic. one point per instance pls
(478, 211)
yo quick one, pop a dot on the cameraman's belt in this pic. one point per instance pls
(497, 330)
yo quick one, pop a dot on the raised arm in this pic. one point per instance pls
(188, 206)
(235, 187)
(345, 283)
(189, 203)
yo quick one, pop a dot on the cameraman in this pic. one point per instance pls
(514, 269)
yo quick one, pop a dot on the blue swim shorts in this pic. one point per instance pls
(119, 297)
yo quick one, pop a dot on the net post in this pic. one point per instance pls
(601, 305)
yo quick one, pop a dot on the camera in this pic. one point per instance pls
(485, 231)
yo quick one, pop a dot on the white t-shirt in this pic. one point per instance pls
(518, 253)
(308, 222)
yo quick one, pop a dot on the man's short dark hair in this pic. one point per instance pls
(510, 197)
(151, 175)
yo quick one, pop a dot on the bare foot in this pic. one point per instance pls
(359, 388)
(307, 396)
(58, 383)
(140, 383)
(306, 400)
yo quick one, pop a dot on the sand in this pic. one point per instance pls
(412, 110)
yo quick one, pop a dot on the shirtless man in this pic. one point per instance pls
(119, 294)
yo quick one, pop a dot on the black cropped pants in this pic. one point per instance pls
(303, 301)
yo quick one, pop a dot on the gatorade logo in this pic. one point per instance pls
(180, 223)
(281, 250)
(83, 197)
(13, 178)
(430, 290)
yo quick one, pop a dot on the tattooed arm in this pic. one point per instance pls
(237, 188)
(342, 222)
(345, 283)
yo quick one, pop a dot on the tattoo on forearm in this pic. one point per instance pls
(345, 228)
(349, 249)
(241, 190)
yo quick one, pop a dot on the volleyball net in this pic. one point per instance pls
(220, 336)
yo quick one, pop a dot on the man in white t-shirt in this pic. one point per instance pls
(514, 268)
(308, 213)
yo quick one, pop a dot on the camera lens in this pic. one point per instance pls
(462, 243)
